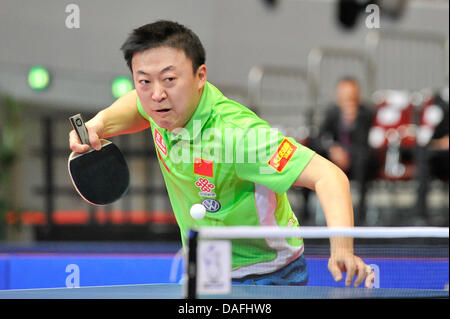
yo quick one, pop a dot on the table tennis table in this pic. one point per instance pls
(176, 291)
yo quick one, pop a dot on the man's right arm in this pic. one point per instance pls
(122, 117)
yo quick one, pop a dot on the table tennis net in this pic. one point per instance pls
(402, 259)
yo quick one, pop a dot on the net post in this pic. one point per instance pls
(192, 265)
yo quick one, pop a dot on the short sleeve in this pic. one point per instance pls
(270, 158)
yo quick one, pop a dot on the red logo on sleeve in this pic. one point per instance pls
(283, 155)
(203, 167)
(160, 142)
(162, 160)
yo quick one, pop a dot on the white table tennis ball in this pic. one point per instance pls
(198, 211)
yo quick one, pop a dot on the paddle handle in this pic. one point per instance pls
(78, 125)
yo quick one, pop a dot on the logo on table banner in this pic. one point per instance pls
(211, 205)
(206, 187)
(214, 267)
(282, 155)
(160, 142)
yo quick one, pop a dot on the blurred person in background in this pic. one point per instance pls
(439, 144)
(343, 137)
(433, 158)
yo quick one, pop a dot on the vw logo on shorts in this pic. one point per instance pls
(211, 205)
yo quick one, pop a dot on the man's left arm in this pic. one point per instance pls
(333, 190)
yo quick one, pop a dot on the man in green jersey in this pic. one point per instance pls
(216, 152)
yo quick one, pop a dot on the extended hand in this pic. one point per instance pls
(353, 266)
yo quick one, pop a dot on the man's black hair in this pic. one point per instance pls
(164, 33)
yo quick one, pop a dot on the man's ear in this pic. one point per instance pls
(202, 75)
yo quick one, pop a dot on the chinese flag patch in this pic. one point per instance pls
(282, 155)
(203, 167)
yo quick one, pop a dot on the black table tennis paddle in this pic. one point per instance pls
(100, 177)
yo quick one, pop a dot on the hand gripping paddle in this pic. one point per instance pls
(100, 177)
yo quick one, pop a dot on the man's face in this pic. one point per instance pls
(167, 87)
(347, 96)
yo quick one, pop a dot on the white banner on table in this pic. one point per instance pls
(214, 267)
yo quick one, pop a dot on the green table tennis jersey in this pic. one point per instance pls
(232, 162)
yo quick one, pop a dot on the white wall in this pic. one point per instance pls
(237, 34)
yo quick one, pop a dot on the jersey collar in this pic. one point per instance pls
(198, 120)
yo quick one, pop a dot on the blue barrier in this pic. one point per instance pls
(21, 271)
(50, 271)
(4, 273)
(392, 273)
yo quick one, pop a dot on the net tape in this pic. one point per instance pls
(235, 232)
